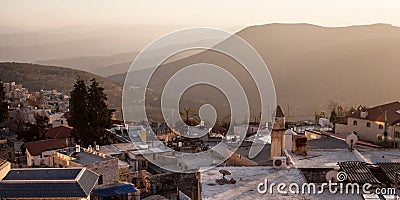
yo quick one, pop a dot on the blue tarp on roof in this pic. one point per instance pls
(114, 190)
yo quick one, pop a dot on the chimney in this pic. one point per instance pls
(299, 145)
(78, 148)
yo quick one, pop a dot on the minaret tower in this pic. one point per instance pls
(277, 134)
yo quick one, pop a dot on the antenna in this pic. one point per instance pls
(351, 140)
(332, 176)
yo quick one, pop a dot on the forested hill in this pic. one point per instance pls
(36, 77)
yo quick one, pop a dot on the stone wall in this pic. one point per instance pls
(107, 169)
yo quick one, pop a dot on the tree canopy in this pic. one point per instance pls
(90, 115)
(3, 104)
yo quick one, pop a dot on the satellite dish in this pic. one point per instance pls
(351, 140)
(378, 158)
(332, 176)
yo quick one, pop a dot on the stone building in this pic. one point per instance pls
(39, 153)
(105, 166)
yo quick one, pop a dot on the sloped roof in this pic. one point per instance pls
(48, 183)
(279, 112)
(390, 170)
(36, 148)
(377, 113)
(358, 172)
(59, 132)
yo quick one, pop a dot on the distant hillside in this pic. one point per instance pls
(114, 64)
(312, 65)
(36, 77)
(119, 78)
(99, 65)
(78, 41)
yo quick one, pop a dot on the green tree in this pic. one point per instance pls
(333, 117)
(99, 115)
(38, 130)
(90, 115)
(318, 116)
(189, 115)
(3, 104)
(79, 113)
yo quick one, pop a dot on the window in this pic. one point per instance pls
(397, 134)
(368, 124)
(380, 126)
(355, 123)
(100, 181)
(380, 137)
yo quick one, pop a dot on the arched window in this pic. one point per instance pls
(368, 124)
(380, 126)
(355, 123)
(380, 137)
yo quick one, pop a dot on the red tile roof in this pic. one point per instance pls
(36, 148)
(59, 132)
(378, 113)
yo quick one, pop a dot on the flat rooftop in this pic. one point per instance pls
(247, 180)
(386, 155)
(88, 158)
(325, 158)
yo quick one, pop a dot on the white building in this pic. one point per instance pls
(371, 124)
(40, 152)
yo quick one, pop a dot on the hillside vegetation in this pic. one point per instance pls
(36, 77)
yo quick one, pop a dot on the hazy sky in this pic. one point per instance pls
(214, 13)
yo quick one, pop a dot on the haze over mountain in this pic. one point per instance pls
(77, 41)
(311, 65)
(118, 63)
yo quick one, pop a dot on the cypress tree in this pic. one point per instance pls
(99, 114)
(3, 104)
(79, 113)
(90, 115)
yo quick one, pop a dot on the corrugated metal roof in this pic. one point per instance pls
(114, 190)
(390, 170)
(358, 172)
